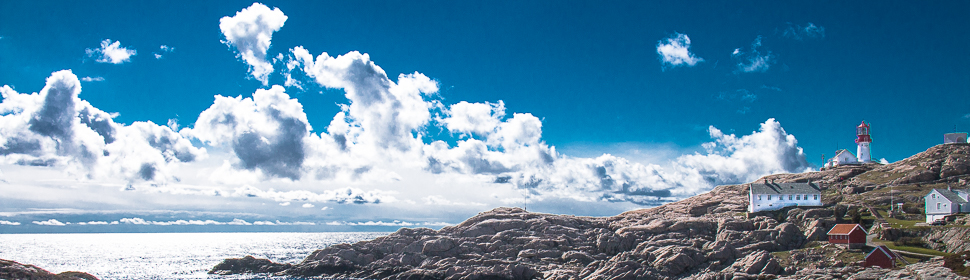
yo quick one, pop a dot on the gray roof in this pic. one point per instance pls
(784, 188)
(951, 195)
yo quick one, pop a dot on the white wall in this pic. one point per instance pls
(764, 204)
(863, 152)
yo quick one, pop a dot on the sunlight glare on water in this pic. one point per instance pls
(162, 255)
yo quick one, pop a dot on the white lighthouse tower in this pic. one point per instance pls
(863, 140)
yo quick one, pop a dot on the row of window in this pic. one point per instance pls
(792, 197)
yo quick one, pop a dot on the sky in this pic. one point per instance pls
(161, 116)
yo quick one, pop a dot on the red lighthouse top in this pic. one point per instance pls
(862, 131)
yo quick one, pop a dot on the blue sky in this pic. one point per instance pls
(569, 104)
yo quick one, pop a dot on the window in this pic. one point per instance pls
(798, 197)
(769, 197)
(937, 206)
(816, 197)
(759, 197)
(789, 197)
(781, 197)
(933, 196)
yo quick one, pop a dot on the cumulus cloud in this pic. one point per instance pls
(753, 60)
(92, 79)
(51, 222)
(267, 132)
(342, 196)
(809, 31)
(94, 223)
(382, 115)
(250, 31)
(731, 159)
(675, 51)
(56, 128)
(9, 223)
(308, 205)
(111, 52)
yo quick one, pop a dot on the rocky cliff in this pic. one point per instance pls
(707, 236)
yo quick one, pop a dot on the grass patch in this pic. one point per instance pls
(897, 223)
(878, 177)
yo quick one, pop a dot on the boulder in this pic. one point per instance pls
(247, 264)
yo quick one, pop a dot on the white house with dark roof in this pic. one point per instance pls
(770, 196)
(941, 203)
(842, 157)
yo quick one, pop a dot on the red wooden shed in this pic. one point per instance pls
(852, 235)
(881, 257)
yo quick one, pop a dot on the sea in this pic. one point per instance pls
(164, 255)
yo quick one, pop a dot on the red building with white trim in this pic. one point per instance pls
(852, 235)
(881, 257)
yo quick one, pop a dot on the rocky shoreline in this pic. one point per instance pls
(708, 236)
(14, 270)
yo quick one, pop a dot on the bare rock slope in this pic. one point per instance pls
(707, 236)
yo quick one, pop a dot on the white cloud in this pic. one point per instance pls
(163, 49)
(382, 115)
(441, 200)
(110, 52)
(57, 128)
(809, 31)
(251, 32)
(51, 222)
(753, 60)
(345, 195)
(92, 79)
(474, 118)
(93, 223)
(9, 223)
(675, 51)
(731, 159)
(267, 132)
(140, 221)
(308, 205)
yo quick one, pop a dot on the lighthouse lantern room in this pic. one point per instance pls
(863, 141)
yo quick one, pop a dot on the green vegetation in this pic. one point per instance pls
(911, 249)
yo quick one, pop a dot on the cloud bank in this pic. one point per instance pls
(381, 130)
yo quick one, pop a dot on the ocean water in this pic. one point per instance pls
(163, 255)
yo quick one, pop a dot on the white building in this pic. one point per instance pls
(954, 138)
(941, 203)
(770, 196)
(842, 157)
